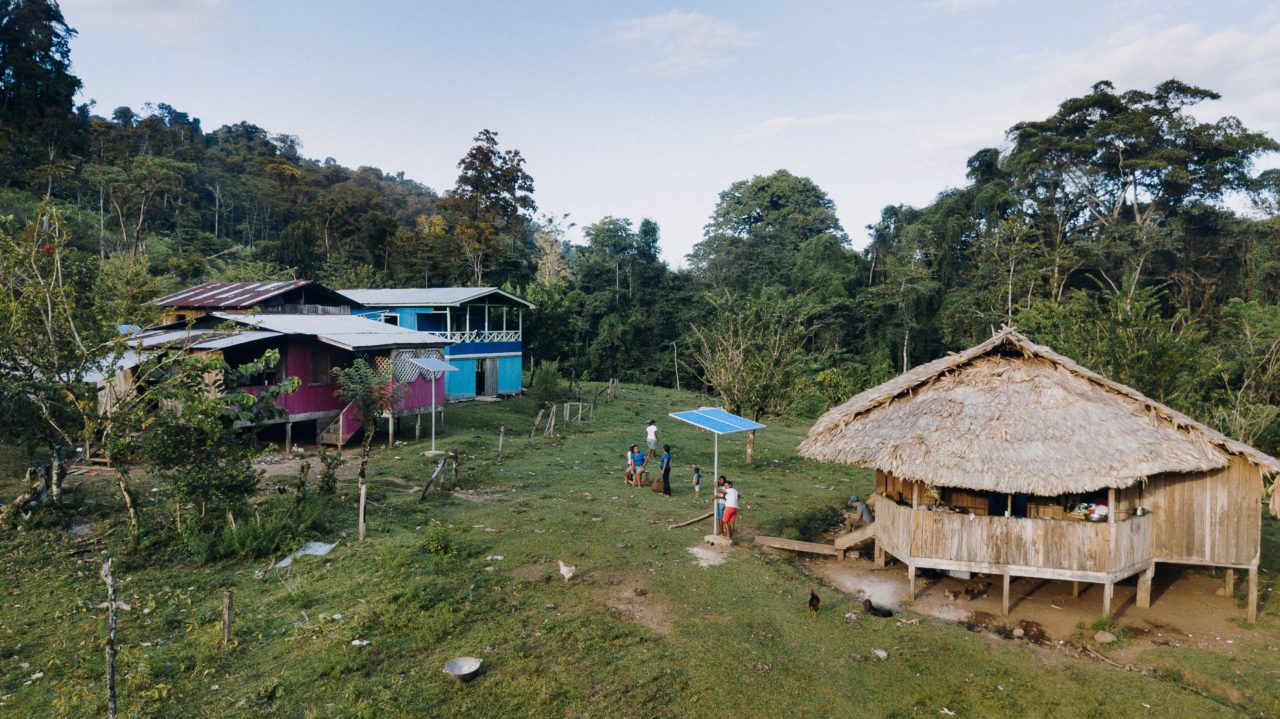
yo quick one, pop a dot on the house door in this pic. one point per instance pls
(491, 377)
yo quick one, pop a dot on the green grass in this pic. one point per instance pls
(419, 591)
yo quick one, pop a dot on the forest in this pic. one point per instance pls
(1131, 230)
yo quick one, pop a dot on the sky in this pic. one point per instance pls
(649, 109)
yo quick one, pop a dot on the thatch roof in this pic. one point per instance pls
(1012, 416)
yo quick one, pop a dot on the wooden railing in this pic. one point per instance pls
(1045, 543)
(482, 336)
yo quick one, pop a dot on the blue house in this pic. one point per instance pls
(485, 324)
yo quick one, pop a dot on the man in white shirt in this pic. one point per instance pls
(651, 435)
(730, 509)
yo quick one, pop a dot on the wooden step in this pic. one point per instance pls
(856, 537)
(796, 545)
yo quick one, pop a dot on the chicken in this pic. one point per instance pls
(814, 601)
(566, 570)
(875, 611)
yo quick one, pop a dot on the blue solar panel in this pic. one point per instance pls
(716, 420)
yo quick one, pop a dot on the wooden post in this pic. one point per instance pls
(537, 421)
(566, 412)
(364, 488)
(579, 412)
(1075, 589)
(879, 555)
(1108, 591)
(551, 425)
(110, 648)
(391, 430)
(288, 438)
(915, 494)
(226, 617)
(1253, 593)
(911, 578)
(1004, 606)
(502, 433)
(417, 426)
(1144, 586)
(1230, 588)
(454, 468)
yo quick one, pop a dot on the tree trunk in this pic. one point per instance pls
(126, 494)
(364, 462)
(57, 473)
(751, 447)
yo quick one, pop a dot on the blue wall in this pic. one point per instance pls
(462, 383)
(510, 375)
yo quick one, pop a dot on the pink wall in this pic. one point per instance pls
(420, 394)
(324, 398)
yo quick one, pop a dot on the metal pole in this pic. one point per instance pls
(715, 487)
(433, 413)
(675, 363)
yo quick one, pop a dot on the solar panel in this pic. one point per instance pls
(431, 364)
(716, 420)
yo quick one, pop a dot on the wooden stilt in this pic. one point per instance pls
(417, 428)
(1144, 586)
(1004, 607)
(391, 430)
(1253, 594)
(1075, 589)
(288, 438)
(1230, 588)
(879, 555)
(1108, 590)
(911, 576)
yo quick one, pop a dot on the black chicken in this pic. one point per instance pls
(814, 601)
(875, 611)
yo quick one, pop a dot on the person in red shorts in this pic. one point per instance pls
(730, 509)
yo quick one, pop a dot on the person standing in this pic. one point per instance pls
(651, 435)
(730, 508)
(665, 465)
(697, 481)
(719, 496)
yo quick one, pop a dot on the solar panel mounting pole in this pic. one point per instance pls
(715, 485)
(437, 375)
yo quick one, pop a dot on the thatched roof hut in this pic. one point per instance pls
(1010, 415)
(1013, 437)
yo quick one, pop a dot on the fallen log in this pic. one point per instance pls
(691, 521)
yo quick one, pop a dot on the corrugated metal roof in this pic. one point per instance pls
(229, 294)
(345, 331)
(199, 338)
(239, 338)
(426, 296)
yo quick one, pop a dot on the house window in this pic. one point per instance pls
(391, 319)
(321, 368)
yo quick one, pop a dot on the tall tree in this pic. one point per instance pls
(38, 119)
(491, 207)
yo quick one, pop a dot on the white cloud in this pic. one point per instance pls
(678, 42)
(785, 123)
(161, 22)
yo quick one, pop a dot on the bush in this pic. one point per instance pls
(808, 525)
(266, 535)
(547, 385)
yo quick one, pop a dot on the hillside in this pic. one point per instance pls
(641, 630)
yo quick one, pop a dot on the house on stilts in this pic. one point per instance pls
(485, 326)
(313, 329)
(982, 456)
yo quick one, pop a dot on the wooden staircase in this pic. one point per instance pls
(340, 428)
(856, 537)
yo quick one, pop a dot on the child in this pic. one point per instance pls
(628, 476)
(697, 481)
(638, 472)
(730, 508)
(719, 490)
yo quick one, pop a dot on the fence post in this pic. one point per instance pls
(537, 421)
(226, 617)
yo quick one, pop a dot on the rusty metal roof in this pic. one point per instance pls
(229, 294)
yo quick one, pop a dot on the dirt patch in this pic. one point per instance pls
(278, 466)
(634, 601)
(476, 495)
(1186, 609)
(535, 572)
(707, 556)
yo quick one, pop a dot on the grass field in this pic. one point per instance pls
(641, 631)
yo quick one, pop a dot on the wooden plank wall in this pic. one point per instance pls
(1071, 545)
(1206, 517)
(893, 527)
